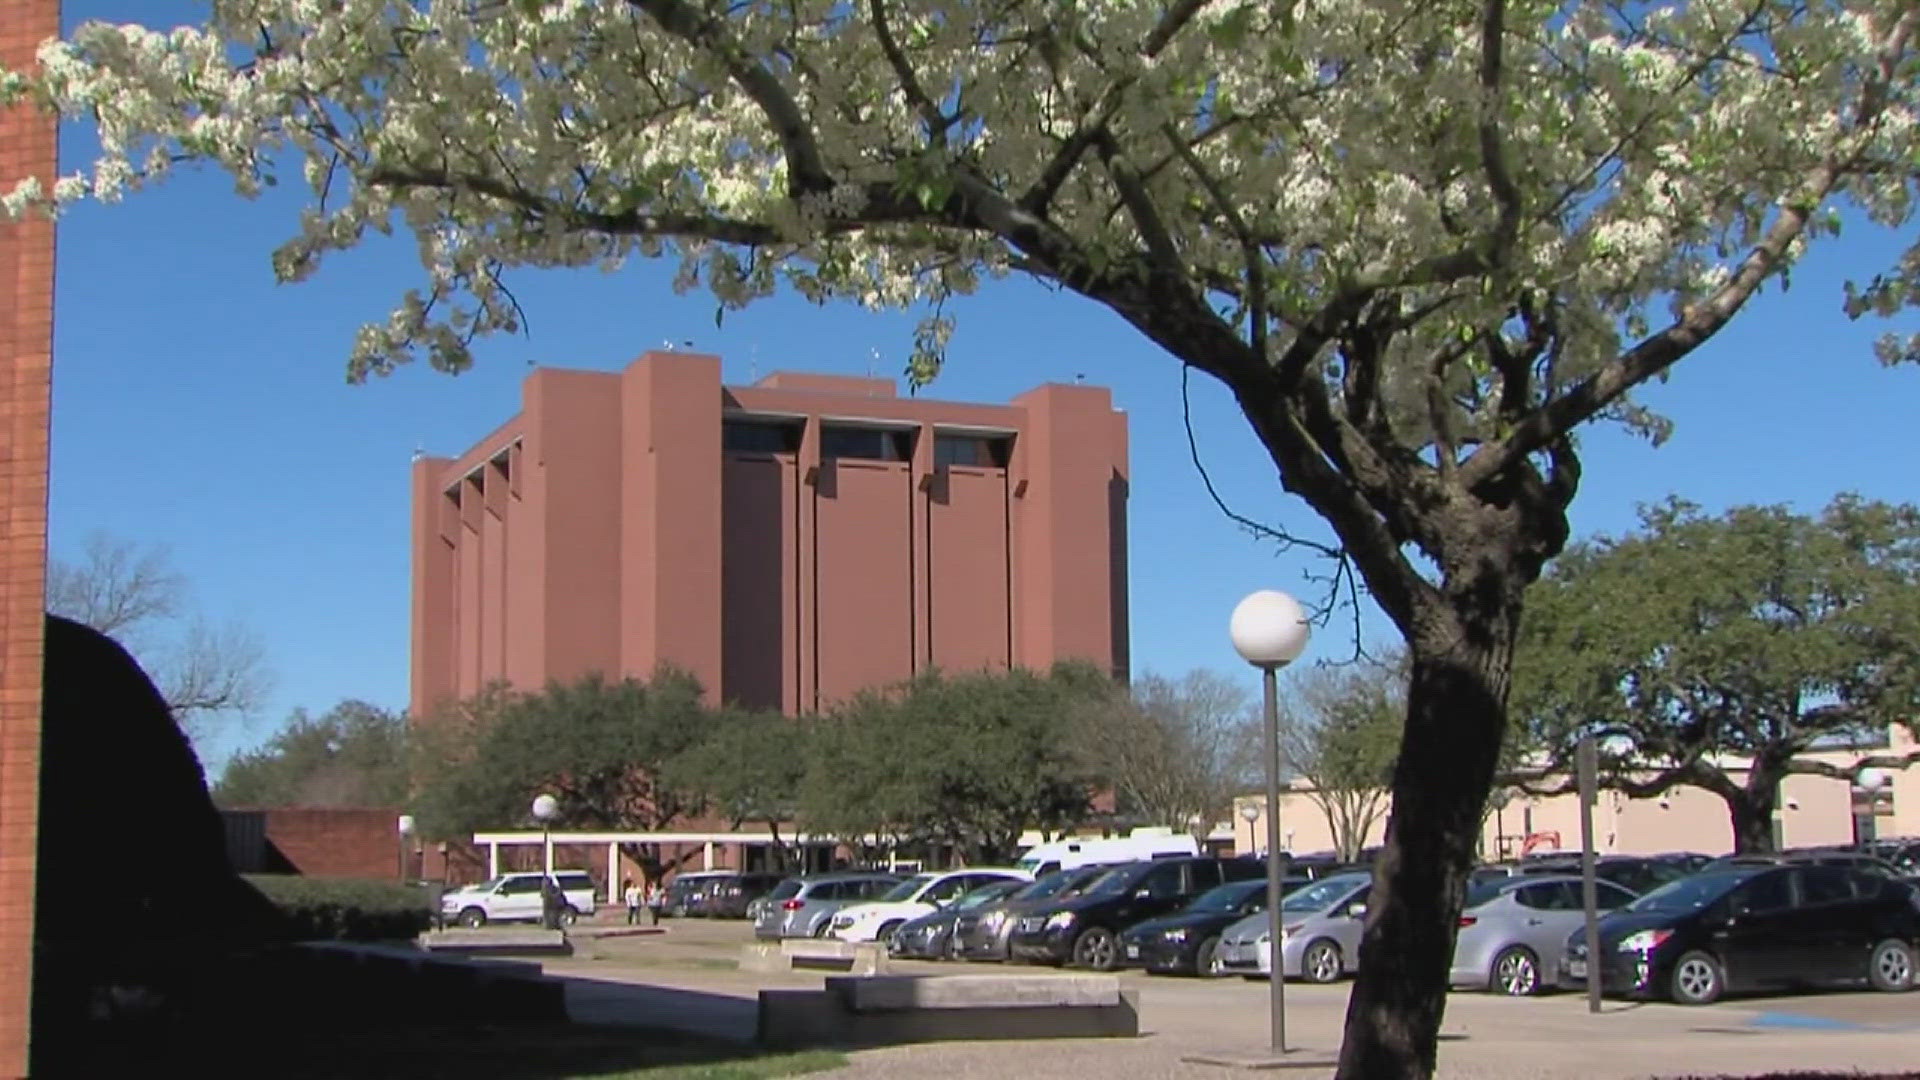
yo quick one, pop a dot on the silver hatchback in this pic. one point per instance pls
(804, 906)
(1513, 932)
(1320, 929)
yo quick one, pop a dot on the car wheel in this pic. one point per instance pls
(1206, 959)
(1696, 980)
(1094, 949)
(1321, 962)
(885, 936)
(822, 928)
(1891, 969)
(473, 918)
(1516, 972)
(568, 916)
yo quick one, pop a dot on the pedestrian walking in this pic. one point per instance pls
(633, 895)
(656, 899)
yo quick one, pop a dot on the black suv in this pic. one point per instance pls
(1083, 929)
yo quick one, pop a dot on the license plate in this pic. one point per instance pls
(1577, 968)
(1133, 952)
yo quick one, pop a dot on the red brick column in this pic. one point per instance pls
(27, 148)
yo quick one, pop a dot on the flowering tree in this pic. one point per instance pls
(1421, 241)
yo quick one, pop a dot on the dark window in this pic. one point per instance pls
(1608, 896)
(519, 886)
(869, 444)
(1868, 885)
(1205, 876)
(760, 436)
(1163, 883)
(1548, 897)
(1824, 885)
(972, 450)
(1768, 892)
(1243, 869)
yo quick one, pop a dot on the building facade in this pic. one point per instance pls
(789, 543)
(1813, 811)
(27, 148)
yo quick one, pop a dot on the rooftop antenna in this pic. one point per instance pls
(419, 451)
(753, 362)
(1079, 377)
(667, 344)
(873, 360)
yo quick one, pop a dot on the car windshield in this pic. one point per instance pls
(987, 894)
(488, 885)
(1690, 893)
(1118, 879)
(1227, 897)
(1321, 894)
(906, 889)
(786, 889)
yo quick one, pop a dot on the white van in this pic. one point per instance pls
(1142, 844)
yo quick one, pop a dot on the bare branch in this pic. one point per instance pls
(116, 589)
(936, 122)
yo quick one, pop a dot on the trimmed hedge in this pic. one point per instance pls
(348, 909)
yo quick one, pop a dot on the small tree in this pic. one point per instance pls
(1174, 751)
(747, 767)
(1344, 743)
(352, 755)
(1704, 647)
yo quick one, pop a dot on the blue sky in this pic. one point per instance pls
(199, 406)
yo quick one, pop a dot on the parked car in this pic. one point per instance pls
(981, 934)
(1185, 942)
(730, 897)
(1084, 929)
(912, 898)
(1086, 851)
(1319, 932)
(1512, 932)
(1635, 873)
(1810, 857)
(930, 937)
(516, 898)
(1750, 927)
(688, 890)
(804, 906)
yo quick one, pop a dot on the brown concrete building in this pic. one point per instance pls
(789, 543)
(27, 148)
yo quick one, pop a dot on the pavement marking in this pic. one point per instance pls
(1804, 1022)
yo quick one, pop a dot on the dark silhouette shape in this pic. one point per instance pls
(120, 787)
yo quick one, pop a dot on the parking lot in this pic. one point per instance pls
(687, 976)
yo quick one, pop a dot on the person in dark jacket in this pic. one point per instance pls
(552, 901)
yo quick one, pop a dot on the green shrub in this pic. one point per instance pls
(348, 909)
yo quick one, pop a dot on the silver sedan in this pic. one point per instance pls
(1513, 931)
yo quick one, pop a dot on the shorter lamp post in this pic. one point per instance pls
(1250, 813)
(405, 828)
(545, 809)
(1269, 631)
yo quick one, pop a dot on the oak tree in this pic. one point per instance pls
(1419, 241)
(1720, 652)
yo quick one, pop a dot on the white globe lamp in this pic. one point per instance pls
(1269, 629)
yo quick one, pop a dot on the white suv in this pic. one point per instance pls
(516, 898)
(921, 894)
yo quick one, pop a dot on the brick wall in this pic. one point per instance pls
(336, 843)
(26, 355)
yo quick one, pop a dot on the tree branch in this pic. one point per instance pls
(937, 123)
(1700, 321)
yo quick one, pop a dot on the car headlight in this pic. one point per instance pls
(1265, 938)
(1060, 920)
(1643, 941)
(1178, 933)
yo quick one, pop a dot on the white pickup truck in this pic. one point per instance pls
(516, 898)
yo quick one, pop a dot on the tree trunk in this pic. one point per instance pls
(1752, 815)
(1456, 714)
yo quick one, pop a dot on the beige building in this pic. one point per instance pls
(1814, 810)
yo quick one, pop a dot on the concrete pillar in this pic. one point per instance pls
(706, 856)
(493, 859)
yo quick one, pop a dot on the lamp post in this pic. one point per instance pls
(1269, 630)
(1250, 813)
(545, 809)
(405, 828)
